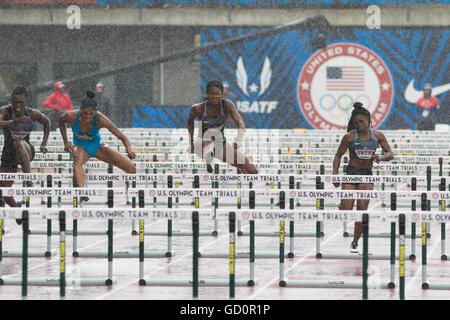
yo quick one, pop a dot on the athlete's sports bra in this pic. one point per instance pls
(363, 149)
(209, 122)
(19, 131)
(90, 141)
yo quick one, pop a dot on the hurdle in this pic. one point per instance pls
(110, 253)
(291, 215)
(50, 178)
(282, 215)
(25, 281)
(232, 282)
(31, 253)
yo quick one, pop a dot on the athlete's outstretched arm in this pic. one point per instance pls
(105, 122)
(66, 117)
(190, 125)
(3, 113)
(339, 153)
(238, 120)
(38, 116)
(388, 155)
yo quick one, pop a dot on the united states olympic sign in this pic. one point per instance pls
(335, 77)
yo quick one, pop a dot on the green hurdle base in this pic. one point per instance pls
(56, 282)
(31, 253)
(371, 256)
(277, 234)
(437, 286)
(185, 282)
(181, 233)
(383, 235)
(123, 254)
(244, 254)
(70, 232)
(338, 283)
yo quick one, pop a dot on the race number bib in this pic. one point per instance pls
(364, 154)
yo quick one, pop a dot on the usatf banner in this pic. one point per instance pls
(281, 82)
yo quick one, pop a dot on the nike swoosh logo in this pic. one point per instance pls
(412, 95)
(356, 143)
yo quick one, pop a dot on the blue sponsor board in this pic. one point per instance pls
(280, 81)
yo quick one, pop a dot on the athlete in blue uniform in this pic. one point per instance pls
(362, 143)
(17, 121)
(212, 113)
(86, 123)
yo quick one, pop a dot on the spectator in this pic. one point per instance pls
(57, 103)
(102, 100)
(427, 110)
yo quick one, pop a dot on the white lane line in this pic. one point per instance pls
(170, 264)
(310, 253)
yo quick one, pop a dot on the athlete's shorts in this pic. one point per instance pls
(354, 171)
(9, 156)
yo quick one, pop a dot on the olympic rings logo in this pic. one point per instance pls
(342, 105)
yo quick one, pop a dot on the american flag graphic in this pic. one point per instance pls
(345, 78)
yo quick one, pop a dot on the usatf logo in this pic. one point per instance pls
(245, 215)
(76, 214)
(435, 196)
(11, 192)
(256, 89)
(336, 77)
(152, 193)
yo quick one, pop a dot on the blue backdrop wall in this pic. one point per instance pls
(282, 82)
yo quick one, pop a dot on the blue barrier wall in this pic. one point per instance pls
(281, 82)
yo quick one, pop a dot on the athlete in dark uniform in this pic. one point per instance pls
(17, 121)
(213, 113)
(362, 142)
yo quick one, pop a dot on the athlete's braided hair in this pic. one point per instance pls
(357, 109)
(19, 91)
(89, 101)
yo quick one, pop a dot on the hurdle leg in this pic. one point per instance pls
(318, 253)
(345, 231)
(25, 254)
(62, 254)
(75, 231)
(425, 285)
(142, 282)
(291, 253)
(133, 227)
(443, 255)
(49, 221)
(109, 280)
(365, 225)
(48, 253)
(133, 204)
(251, 282)
(401, 225)
(391, 284)
(282, 282)
(195, 232)
(412, 256)
(232, 222)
